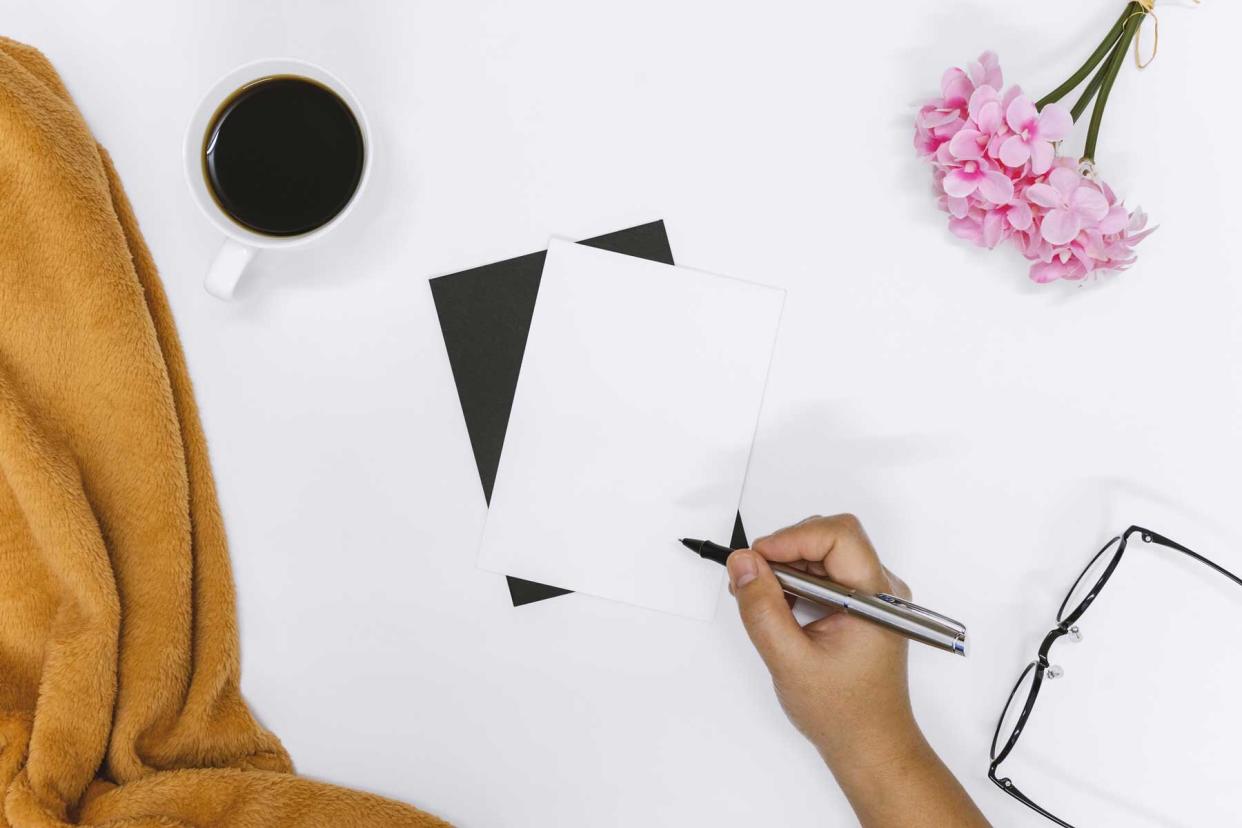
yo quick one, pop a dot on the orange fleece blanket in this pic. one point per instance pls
(119, 697)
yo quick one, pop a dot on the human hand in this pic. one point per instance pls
(841, 680)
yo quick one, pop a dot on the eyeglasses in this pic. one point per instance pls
(1077, 601)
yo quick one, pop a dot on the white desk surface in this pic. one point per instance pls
(990, 433)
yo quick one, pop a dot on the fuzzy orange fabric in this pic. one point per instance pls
(119, 698)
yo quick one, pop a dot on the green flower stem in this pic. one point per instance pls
(1078, 77)
(1132, 22)
(1084, 100)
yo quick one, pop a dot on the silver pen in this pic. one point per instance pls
(896, 614)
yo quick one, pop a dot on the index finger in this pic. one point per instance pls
(839, 543)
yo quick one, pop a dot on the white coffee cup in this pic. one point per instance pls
(241, 243)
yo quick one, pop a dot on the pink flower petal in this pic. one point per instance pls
(967, 229)
(1074, 271)
(1094, 247)
(959, 184)
(1021, 113)
(994, 144)
(951, 80)
(932, 118)
(996, 188)
(1046, 272)
(1065, 180)
(1089, 203)
(1010, 95)
(957, 90)
(946, 131)
(965, 145)
(1055, 122)
(1014, 152)
(992, 70)
(994, 228)
(982, 95)
(976, 72)
(1019, 215)
(990, 118)
(1038, 248)
(958, 207)
(1045, 196)
(1060, 227)
(1042, 154)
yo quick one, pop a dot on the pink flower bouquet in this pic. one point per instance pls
(998, 174)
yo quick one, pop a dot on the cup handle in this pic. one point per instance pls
(227, 269)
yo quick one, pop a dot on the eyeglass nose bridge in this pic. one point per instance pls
(1055, 671)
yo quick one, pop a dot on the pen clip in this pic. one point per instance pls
(956, 626)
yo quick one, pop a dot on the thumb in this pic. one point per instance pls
(769, 622)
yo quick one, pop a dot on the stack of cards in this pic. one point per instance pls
(611, 401)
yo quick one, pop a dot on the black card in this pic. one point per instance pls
(485, 315)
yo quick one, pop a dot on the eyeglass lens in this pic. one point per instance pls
(1011, 718)
(1084, 589)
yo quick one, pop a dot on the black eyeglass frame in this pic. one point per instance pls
(1066, 627)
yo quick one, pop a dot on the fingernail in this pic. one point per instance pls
(742, 569)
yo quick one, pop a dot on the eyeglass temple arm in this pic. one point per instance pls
(1006, 785)
(1156, 537)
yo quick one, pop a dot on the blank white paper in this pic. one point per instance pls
(631, 427)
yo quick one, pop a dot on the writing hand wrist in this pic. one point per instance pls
(871, 754)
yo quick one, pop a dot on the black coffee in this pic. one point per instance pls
(283, 156)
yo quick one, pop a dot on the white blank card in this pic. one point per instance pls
(631, 427)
